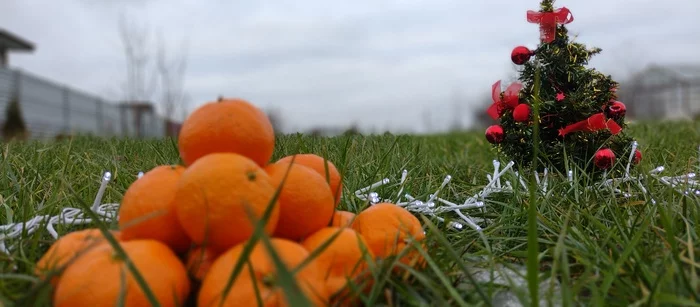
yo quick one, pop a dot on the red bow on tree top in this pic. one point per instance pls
(594, 123)
(509, 101)
(548, 21)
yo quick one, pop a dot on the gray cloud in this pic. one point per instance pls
(379, 63)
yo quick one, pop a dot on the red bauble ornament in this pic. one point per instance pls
(521, 113)
(520, 55)
(604, 158)
(637, 156)
(616, 110)
(494, 134)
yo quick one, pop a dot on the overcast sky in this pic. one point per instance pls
(380, 63)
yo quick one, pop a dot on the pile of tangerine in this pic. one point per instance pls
(184, 227)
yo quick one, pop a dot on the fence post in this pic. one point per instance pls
(123, 116)
(17, 87)
(685, 99)
(66, 111)
(100, 117)
(17, 91)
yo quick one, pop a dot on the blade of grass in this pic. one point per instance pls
(258, 298)
(140, 281)
(250, 244)
(630, 246)
(405, 291)
(121, 302)
(381, 274)
(668, 227)
(676, 301)
(437, 235)
(52, 271)
(19, 277)
(173, 143)
(423, 280)
(384, 157)
(691, 255)
(561, 260)
(318, 250)
(439, 273)
(157, 150)
(292, 291)
(532, 236)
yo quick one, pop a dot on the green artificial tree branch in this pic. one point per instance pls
(547, 5)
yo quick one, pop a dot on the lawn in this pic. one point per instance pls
(593, 248)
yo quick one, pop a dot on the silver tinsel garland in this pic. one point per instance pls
(686, 184)
(433, 205)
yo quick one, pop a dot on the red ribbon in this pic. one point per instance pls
(593, 123)
(548, 21)
(509, 101)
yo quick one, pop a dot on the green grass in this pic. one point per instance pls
(601, 250)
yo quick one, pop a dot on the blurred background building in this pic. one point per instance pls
(50, 109)
(658, 92)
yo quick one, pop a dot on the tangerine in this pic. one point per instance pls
(259, 274)
(388, 229)
(199, 260)
(147, 209)
(68, 248)
(227, 125)
(342, 259)
(306, 201)
(215, 195)
(315, 162)
(101, 278)
(342, 218)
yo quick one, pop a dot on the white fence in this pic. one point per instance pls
(50, 109)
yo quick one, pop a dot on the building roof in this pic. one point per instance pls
(14, 42)
(686, 71)
(680, 71)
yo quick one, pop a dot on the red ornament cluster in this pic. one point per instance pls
(503, 100)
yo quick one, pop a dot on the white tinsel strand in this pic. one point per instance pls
(417, 206)
(692, 186)
(631, 157)
(68, 216)
(687, 184)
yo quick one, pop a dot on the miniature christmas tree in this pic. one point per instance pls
(580, 121)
